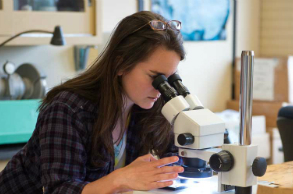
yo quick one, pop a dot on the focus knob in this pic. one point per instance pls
(185, 139)
(222, 161)
(259, 166)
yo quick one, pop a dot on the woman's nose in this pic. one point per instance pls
(158, 94)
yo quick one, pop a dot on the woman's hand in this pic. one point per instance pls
(146, 173)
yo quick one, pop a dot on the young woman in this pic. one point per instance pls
(98, 132)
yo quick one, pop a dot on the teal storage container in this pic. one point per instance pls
(17, 120)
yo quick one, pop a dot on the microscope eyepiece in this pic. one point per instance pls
(161, 83)
(174, 77)
(176, 82)
(159, 80)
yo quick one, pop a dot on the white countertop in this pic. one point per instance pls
(201, 186)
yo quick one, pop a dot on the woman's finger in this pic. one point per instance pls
(165, 177)
(169, 169)
(165, 161)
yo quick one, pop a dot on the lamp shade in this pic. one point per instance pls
(57, 38)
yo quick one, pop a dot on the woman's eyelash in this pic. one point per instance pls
(156, 75)
(153, 76)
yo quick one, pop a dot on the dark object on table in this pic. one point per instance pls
(285, 126)
(174, 188)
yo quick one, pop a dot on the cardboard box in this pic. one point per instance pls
(268, 109)
(271, 79)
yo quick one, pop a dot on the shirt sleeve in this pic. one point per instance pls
(63, 154)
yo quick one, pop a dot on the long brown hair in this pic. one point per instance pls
(101, 84)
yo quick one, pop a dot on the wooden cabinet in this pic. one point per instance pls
(79, 27)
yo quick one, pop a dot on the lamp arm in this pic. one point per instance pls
(25, 32)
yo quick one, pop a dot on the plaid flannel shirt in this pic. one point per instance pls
(56, 157)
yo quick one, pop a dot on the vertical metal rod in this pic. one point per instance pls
(234, 43)
(246, 88)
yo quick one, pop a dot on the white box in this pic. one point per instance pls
(258, 125)
(278, 156)
(263, 143)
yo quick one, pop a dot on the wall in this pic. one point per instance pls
(276, 28)
(248, 26)
(206, 70)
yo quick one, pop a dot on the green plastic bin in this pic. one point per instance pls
(17, 120)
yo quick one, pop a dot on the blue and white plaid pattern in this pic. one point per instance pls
(57, 155)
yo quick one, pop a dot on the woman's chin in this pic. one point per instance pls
(146, 106)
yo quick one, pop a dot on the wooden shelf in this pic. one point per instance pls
(88, 22)
(43, 40)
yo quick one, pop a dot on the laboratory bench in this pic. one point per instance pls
(277, 180)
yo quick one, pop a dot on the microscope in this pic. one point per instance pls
(199, 134)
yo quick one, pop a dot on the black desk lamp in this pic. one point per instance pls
(35, 84)
(56, 40)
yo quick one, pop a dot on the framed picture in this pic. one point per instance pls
(202, 20)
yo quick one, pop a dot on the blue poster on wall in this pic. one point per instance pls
(202, 20)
